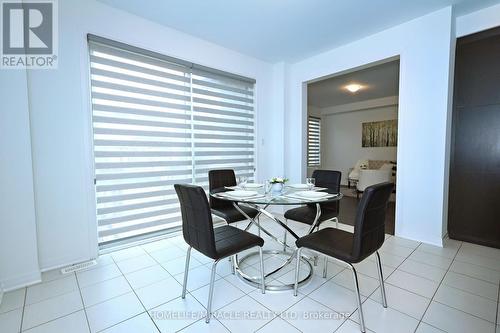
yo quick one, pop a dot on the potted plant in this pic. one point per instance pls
(277, 184)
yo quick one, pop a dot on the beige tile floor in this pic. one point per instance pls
(429, 289)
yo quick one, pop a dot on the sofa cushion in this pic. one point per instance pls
(387, 166)
(376, 164)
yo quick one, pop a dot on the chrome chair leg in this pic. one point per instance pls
(262, 273)
(258, 225)
(336, 222)
(211, 292)
(186, 270)
(233, 264)
(325, 267)
(381, 280)
(284, 236)
(358, 300)
(297, 269)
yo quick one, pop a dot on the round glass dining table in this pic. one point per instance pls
(261, 200)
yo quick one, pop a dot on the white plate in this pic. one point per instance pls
(253, 185)
(299, 186)
(241, 194)
(311, 194)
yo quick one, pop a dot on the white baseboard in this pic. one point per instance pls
(21, 281)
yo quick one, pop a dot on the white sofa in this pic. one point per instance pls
(369, 172)
(370, 177)
(353, 175)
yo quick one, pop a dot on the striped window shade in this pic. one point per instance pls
(223, 125)
(313, 141)
(159, 121)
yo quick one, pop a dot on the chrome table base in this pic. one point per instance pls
(255, 281)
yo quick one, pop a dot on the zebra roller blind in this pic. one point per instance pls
(313, 141)
(158, 121)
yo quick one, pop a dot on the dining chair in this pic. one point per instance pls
(329, 211)
(352, 248)
(216, 243)
(217, 182)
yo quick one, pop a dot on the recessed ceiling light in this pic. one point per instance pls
(354, 87)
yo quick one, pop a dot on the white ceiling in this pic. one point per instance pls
(377, 81)
(286, 30)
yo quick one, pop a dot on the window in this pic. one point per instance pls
(313, 141)
(158, 121)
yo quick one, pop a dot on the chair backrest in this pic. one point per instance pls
(331, 180)
(369, 226)
(217, 179)
(197, 224)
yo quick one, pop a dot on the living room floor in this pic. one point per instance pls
(429, 289)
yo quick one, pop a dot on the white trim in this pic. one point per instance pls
(359, 106)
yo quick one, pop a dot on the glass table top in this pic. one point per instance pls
(289, 196)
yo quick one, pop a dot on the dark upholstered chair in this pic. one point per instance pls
(352, 248)
(217, 181)
(199, 233)
(306, 214)
(329, 211)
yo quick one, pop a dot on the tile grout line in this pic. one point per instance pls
(384, 281)
(326, 306)
(235, 300)
(498, 306)
(482, 266)
(467, 291)
(472, 277)
(51, 320)
(305, 295)
(439, 285)
(171, 276)
(395, 269)
(470, 314)
(24, 307)
(344, 269)
(133, 290)
(248, 294)
(83, 304)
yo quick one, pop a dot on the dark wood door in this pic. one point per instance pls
(474, 196)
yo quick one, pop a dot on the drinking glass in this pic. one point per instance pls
(267, 186)
(310, 183)
(242, 181)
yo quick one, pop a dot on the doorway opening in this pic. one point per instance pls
(352, 127)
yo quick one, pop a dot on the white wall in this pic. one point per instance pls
(61, 128)
(424, 48)
(18, 245)
(480, 20)
(341, 141)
